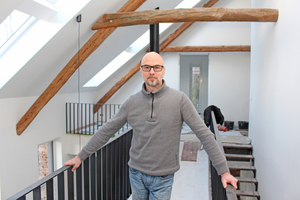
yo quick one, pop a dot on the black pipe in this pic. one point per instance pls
(154, 36)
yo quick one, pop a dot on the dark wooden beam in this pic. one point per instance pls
(186, 15)
(89, 47)
(241, 48)
(136, 68)
(210, 3)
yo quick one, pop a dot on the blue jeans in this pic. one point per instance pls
(146, 187)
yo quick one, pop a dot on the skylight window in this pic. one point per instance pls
(24, 43)
(11, 30)
(12, 27)
(132, 50)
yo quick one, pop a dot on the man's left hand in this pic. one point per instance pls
(228, 178)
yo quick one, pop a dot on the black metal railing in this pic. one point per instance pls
(218, 191)
(104, 175)
(81, 118)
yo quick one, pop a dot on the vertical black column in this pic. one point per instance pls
(154, 36)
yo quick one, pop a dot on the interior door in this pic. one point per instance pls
(194, 79)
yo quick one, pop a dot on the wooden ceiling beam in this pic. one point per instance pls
(238, 48)
(89, 47)
(187, 15)
(136, 68)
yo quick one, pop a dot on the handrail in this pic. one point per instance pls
(38, 183)
(218, 191)
(103, 175)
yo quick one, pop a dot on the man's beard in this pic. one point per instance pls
(152, 82)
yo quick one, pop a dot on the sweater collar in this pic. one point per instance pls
(160, 91)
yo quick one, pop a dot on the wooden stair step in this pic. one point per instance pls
(238, 146)
(240, 166)
(244, 149)
(247, 180)
(247, 193)
(236, 167)
(239, 156)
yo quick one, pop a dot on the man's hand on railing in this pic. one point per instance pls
(75, 162)
(228, 178)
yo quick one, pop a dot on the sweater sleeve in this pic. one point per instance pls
(194, 121)
(104, 133)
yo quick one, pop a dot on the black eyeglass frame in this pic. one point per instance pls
(142, 66)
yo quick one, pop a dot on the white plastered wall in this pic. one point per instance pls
(274, 105)
(19, 156)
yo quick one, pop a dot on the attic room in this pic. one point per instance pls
(259, 86)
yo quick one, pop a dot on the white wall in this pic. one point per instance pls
(228, 82)
(275, 97)
(19, 157)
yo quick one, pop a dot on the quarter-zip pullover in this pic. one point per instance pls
(156, 119)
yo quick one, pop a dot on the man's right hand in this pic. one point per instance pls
(75, 162)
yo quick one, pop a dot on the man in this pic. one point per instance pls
(156, 115)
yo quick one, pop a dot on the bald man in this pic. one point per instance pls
(156, 115)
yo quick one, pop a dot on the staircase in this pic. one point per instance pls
(241, 165)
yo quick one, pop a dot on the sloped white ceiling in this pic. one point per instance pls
(41, 69)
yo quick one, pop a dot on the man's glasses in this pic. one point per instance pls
(156, 68)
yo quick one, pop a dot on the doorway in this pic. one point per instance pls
(194, 80)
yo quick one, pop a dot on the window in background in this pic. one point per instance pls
(12, 28)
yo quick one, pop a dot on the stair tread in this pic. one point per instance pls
(240, 165)
(247, 193)
(247, 180)
(239, 156)
(240, 146)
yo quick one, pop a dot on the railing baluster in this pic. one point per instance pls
(86, 179)
(79, 182)
(49, 189)
(81, 119)
(127, 181)
(94, 120)
(70, 184)
(122, 167)
(101, 115)
(113, 170)
(90, 119)
(37, 193)
(85, 114)
(99, 174)
(108, 172)
(61, 186)
(74, 117)
(70, 118)
(105, 113)
(22, 198)
(93, 176)
(97, 114)
(117, 170)
(66, 117)
(129, 138)
(78, 113)
(104, 172)
(109, 112)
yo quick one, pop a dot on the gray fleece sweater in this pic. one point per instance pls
(156, 119)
